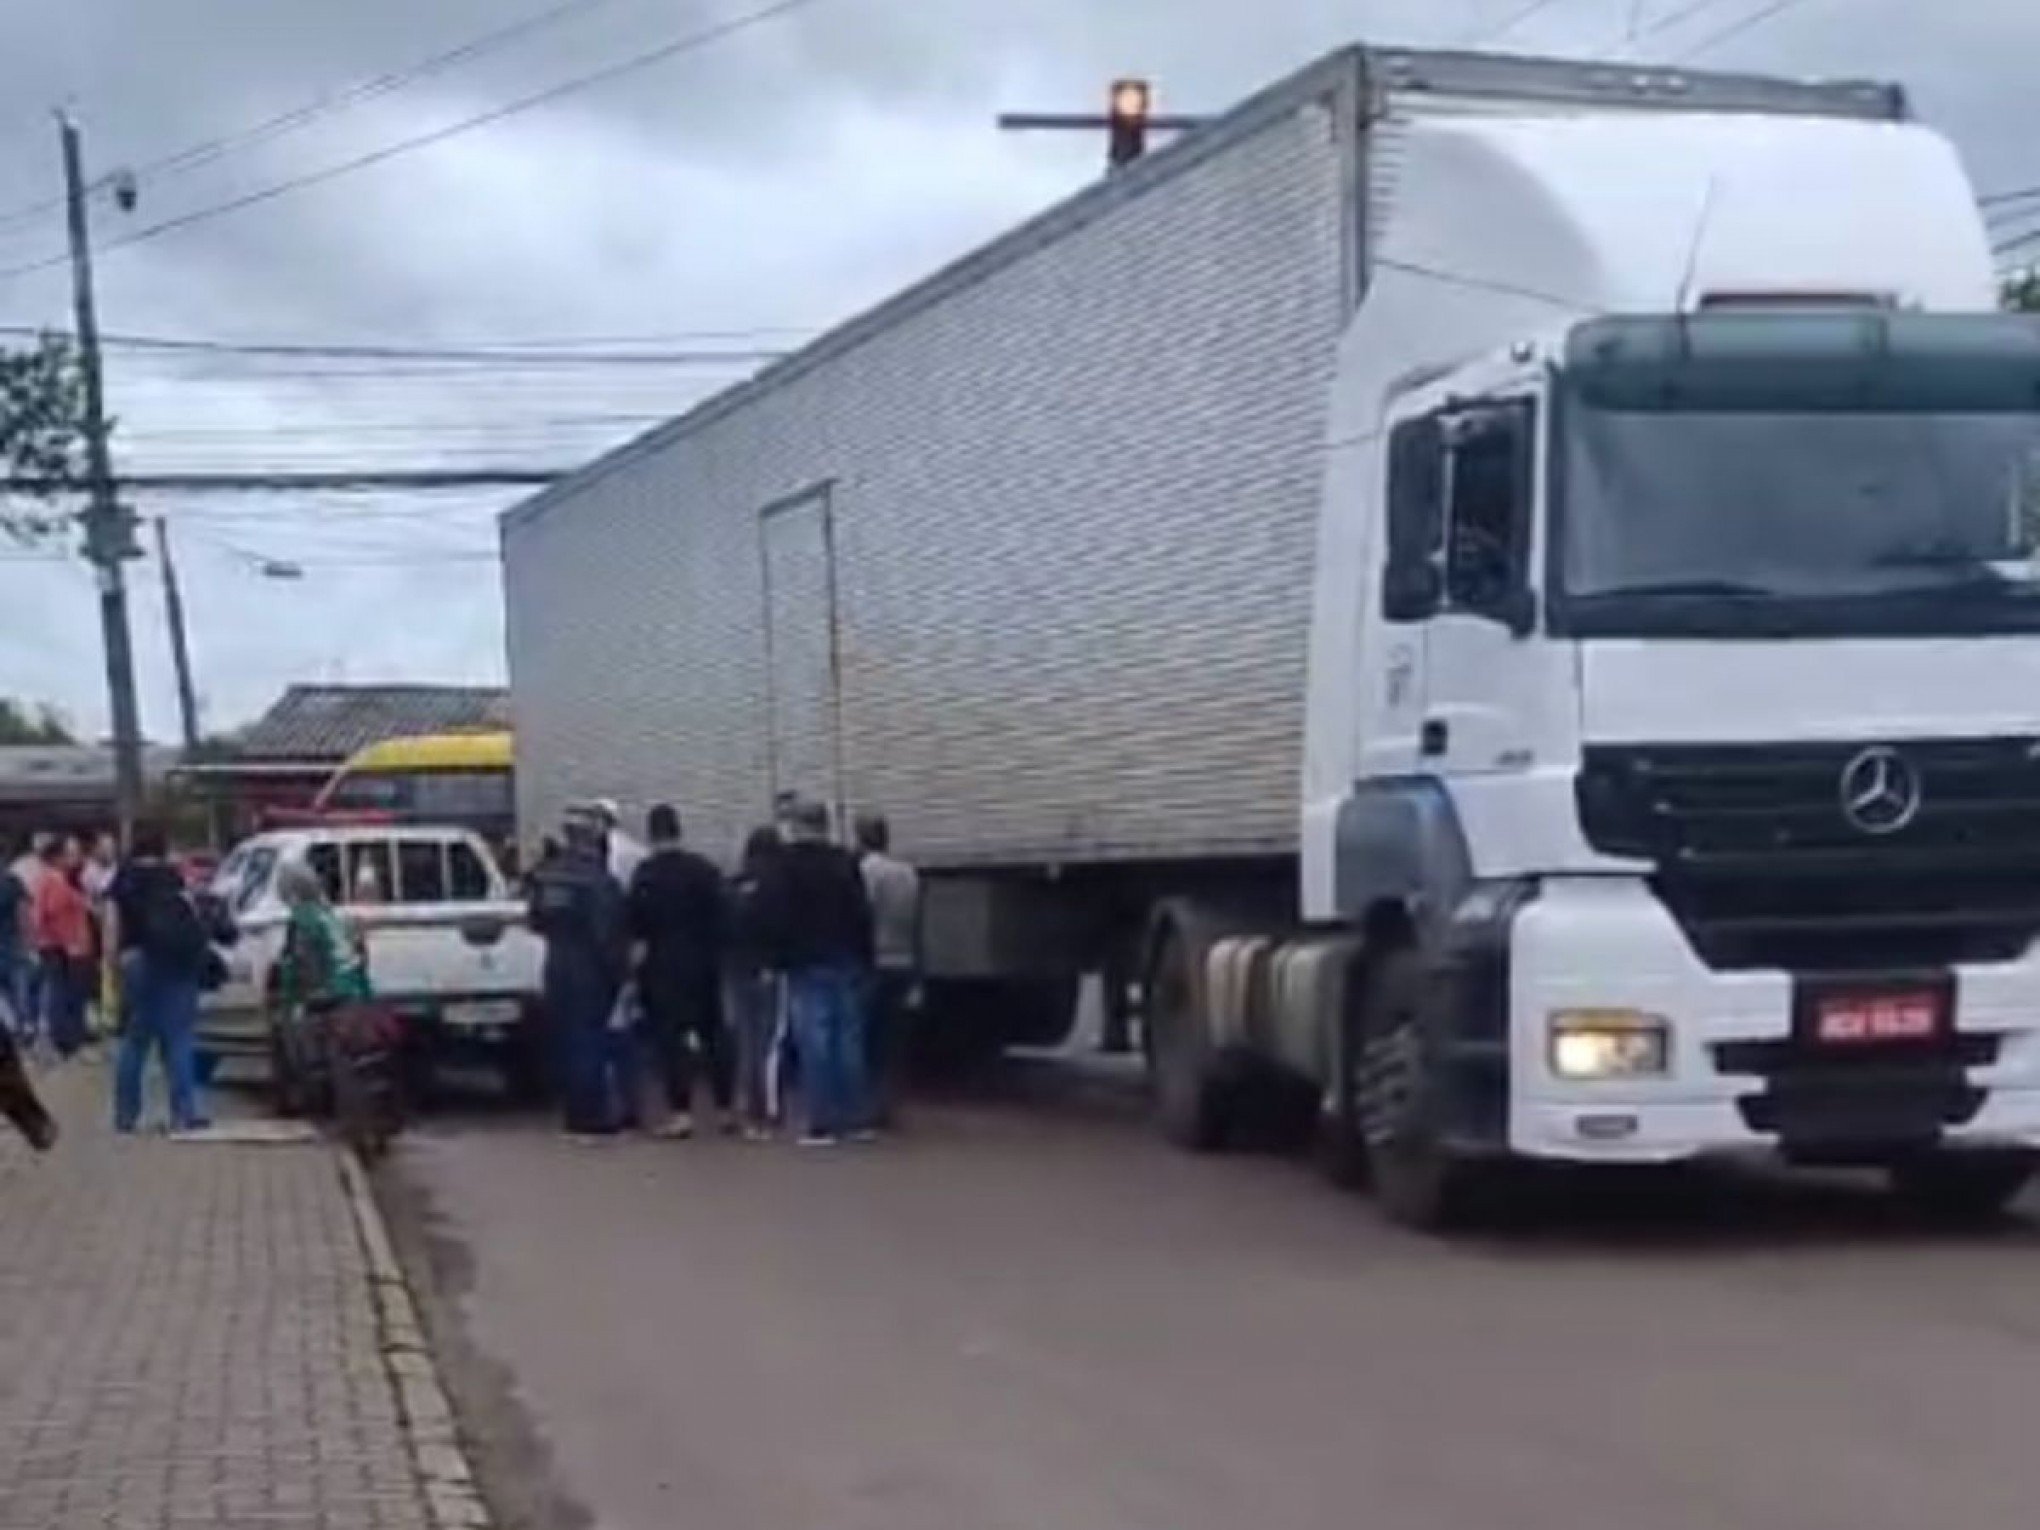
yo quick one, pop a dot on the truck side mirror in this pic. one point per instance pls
(1413, 584)
(1517, 611)
(1412, 591)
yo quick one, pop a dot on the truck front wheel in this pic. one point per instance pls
(1420, 1183)
(1189, 1090)
(1963, 1189)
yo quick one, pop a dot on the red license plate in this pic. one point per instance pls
(1854, 1019)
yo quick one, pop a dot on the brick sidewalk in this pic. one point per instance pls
(188, 1337)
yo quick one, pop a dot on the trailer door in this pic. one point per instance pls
(804, 682)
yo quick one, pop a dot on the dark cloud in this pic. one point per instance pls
(781, 179)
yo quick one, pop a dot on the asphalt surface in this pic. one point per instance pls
(1027, 1313)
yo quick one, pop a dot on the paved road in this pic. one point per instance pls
(188, 1337)
(1027, 1314)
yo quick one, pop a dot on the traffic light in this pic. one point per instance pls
(1128, 118)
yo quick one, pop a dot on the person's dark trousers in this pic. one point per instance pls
(753, 1007)
(65, 996)
(17, 991)
(888, 1041)
(578, 1010)
(18, 1102)
(828, 1021)
(684, 1014)
(622, 1071)
(162, 1015)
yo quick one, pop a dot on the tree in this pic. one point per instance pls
(2021, 292)
(21, 723)
(42, 436)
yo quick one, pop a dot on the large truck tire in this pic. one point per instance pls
(1193, 1093)
(1962, 1189)
(1418, 1181)
(1342, 1141)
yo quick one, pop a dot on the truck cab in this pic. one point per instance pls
(1673, 733)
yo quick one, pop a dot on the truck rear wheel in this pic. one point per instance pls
(1962, 1189)
(1191, 1098)
(1420, 1183)
(1342, 1142)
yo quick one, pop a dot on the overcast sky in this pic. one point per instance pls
(735, 197)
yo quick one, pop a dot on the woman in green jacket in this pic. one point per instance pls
(322, 990)
(323, 965)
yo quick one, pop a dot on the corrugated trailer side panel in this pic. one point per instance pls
(1071, 500)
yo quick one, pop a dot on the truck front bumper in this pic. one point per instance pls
(1740, 1078)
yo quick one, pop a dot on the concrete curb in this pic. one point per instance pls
(442, 1465)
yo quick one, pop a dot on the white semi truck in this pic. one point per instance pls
(1499, 594)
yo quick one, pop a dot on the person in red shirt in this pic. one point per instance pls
(63, 938)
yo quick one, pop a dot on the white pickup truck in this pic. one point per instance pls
(447, 944)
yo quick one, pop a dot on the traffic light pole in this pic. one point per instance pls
(1126, 125)
(108, 531)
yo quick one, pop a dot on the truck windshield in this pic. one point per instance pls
(1763, 524)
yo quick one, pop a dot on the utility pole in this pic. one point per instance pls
(109, 529)
(180, 649)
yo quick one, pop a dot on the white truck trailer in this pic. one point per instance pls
(1498, 593)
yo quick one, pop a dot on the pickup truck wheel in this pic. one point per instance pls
(1191, 1098)
(1418, 1181)
(526, 1074)
(1962, 1189)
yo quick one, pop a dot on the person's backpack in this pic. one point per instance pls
(174, 931)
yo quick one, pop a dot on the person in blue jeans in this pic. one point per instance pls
(816, 919)
(17, 993)
(163, 943)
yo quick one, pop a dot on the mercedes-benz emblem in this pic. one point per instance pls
(1880, 791)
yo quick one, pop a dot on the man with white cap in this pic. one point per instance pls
(624, 854)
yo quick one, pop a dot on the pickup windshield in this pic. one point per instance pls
(1759, 524)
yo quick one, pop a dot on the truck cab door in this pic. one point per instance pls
(1462, 499)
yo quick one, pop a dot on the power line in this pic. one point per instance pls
(2016, 242)
(336, 481)
(1508, 24)
(487, 355)
(329, 429)
(1736, 29)
(1476, 283)
(688, 43)
(2004, 198)
(204, 153)
(1665, 23)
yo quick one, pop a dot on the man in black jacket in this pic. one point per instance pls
(817, 921)
(676, 925)
(579, 908)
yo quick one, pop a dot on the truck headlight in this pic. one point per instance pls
(1609, 1043)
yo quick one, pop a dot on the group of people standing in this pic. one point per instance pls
(54, 919)
(85, 932)
(792, 977)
